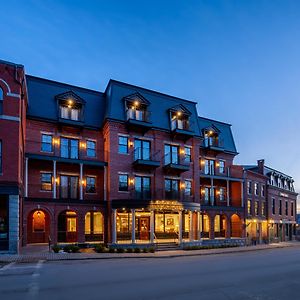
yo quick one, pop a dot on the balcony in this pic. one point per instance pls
(144, 158)
(182, 128)
(176, 163)
(138, 119)
(213, 143)
(141, 195)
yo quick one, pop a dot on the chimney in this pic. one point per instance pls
(261, 165)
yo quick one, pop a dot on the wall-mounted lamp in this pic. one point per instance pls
(83, 145)
(182, 151)
(82, 182)
(182, 185)
(179, 113)
(131, 181)
(130, 143)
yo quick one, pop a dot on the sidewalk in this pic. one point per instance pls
(36, 253)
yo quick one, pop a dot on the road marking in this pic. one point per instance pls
(7, 267)
(33, 288)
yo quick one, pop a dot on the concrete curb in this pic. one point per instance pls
(167, 254)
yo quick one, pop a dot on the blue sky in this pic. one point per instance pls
(238, 59)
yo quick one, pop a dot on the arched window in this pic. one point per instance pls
(1, 101)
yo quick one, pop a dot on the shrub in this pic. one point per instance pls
(137, 250)
(145, 250)
(67, 248)
(71, 249)
(152, 250)
(75, 249)
(120, 250)
(100, 248)
(111, 250)
(55, 248)
(129, 250)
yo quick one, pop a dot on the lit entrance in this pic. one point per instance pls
(67, 227)
(38, 227)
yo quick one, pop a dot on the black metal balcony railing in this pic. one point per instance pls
(176, 159)
(145, 155)
(138, 115)
(213, 142)
(141, 195)
(36, 149)
(184, 124)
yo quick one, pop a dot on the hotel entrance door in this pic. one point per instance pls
(144, 228)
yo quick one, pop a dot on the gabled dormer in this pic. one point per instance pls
(70, 108)
(212, 138)
(137, 111)
(180, 121)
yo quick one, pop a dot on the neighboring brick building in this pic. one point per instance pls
(129, 165)
(271, 204)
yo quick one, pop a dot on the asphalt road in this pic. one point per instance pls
(269, 274)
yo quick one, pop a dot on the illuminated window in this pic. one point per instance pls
(205, 225)
(222, 194)
(46, 181)
(256, 208)
(188, 188)
(217, 223)
(93, 223)
(256, 189)
(249, 207)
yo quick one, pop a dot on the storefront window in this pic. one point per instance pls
(38, 221)
(205, 223)
(168, 223)
(217, 223)
(124, 222)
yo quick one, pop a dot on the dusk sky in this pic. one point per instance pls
(238, 59)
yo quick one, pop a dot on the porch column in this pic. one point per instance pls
(151, 226)
(81, 181)
(199, 225)
(191, 238)
(180, 227)
(133, 226)
(212, 227)
(114, 227)
(54, 179)
(26, 177)
(228, 228)
(212, 192)
(227, 188)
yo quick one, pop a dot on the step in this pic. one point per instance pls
(166, 246)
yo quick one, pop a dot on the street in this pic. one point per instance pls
(268, 274)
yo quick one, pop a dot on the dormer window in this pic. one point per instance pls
(180, 118)
(179, 121)
(211, 137)
(70, 107)
(136, 111)
(137, 108)
(70, 110)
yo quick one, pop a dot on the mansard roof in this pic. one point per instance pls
(224, 131)
(159, 105)
(43, 93)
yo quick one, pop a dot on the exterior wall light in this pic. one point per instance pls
(182, 186)
(179, 113)
(130, 143)
(136, 103)
(83, 182)
(131, 181)
(83, 145)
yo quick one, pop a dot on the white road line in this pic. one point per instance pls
(33, 288)
(7, 267)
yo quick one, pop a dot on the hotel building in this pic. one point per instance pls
(125, 166)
